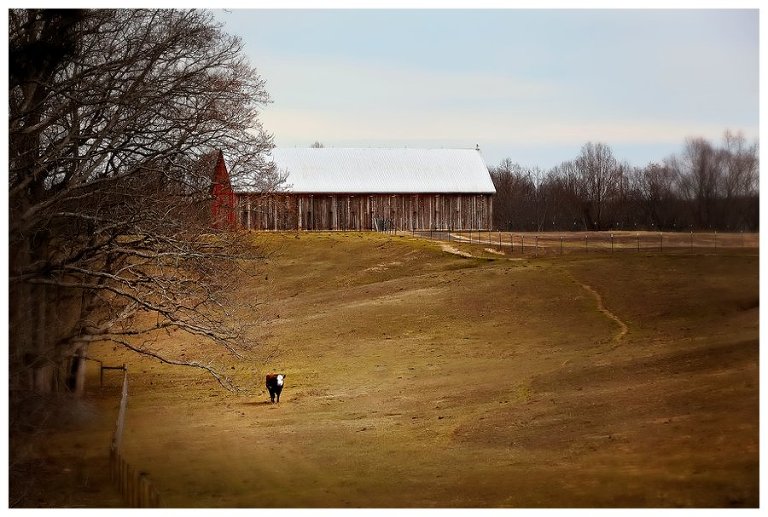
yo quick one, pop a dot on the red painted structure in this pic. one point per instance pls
(223, 203)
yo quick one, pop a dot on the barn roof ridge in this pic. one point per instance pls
(371, 170)
(378, 147)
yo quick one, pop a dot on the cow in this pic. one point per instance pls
(275, 385)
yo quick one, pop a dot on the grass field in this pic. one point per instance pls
(420, 378)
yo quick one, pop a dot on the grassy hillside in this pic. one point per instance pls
(417, 377)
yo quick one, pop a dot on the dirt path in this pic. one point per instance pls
(450, 249)
(623, 329)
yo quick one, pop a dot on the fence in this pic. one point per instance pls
(556, 243)
(135, 486)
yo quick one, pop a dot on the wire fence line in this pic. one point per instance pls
(134, 485)
(560, 243)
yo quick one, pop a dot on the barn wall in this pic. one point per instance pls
(365, 211)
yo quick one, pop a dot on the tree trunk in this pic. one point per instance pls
(46, 367)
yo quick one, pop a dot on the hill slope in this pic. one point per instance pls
(421, 378)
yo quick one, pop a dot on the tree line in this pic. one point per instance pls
(705, 187)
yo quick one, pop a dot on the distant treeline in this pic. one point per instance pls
(704, 187)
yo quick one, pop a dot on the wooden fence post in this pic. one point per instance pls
(118, 436)
(125, 475)
(144, 487)
(154, 498)
(112, 466)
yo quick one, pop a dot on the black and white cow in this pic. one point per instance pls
(275, 383)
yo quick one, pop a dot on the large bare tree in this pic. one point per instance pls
(114, 119)
(740, 181)
(699, 170)
(599, 175)
(655, 189)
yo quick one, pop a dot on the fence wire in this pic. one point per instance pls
(557, 243)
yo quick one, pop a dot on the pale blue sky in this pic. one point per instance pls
(531, 85)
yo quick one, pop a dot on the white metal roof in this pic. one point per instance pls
(382, 170)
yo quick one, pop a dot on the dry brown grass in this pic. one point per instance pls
(419, 378)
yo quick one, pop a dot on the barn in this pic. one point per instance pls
(223, 199)
(372, 189)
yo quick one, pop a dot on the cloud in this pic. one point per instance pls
(538, 82)
(346, 100)
(292, 126)
(351, 84)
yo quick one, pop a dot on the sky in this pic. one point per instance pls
(530, 85)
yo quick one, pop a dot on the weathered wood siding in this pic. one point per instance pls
(365, 212)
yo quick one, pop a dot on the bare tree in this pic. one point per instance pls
(623, 205)
(539, 198)
(740, 181)
(317, 145)
(654, 185)
(599, 175)
(503, 204)
(567, 196)
(741, 165)
(514, 195)
(699, 170)
(112, 113)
